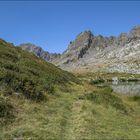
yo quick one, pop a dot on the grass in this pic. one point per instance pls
(105, 97)
(7, 111)
(97, 81)
(108, 76)
(135, 98)
(40, 101)
(85, 112)
(25, 73)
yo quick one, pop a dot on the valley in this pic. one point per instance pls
(69, 70)
(94, 53)
(83, 111)
(41, 101)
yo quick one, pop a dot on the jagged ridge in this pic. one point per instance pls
(93, 53)
(38, 51)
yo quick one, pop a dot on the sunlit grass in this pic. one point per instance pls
(68, 116)
(68, 109)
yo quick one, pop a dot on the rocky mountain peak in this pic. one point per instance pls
(32, 48)
(85, 34)
(122, 39)
(135, 32)
(81, 40)
(89, 52)
(38, 51)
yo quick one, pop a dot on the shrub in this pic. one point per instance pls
(97, 81)
(106, 97)
(25, 73)
(135, 98)
(6, 109)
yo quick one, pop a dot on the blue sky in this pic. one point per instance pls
(52, 25)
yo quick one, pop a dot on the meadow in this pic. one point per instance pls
(40, 101)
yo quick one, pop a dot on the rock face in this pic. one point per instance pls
(90, 53)
(38, 51)
(135, 32)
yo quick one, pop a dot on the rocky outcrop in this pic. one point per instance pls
(89, 53)
(98, 53)
(135, 32)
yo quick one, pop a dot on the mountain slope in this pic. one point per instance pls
(23, 73)
(38, 51)
(97, 53)
(84, 112)
(90, 53)
(30, 108)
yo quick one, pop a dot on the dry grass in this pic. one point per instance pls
(66, 116)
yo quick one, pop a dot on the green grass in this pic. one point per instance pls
(7, 110)
(76, 115)
(24, 73)
(105, 97)
(135, 98)
(97, 81)
(40, 101)
(108, 76)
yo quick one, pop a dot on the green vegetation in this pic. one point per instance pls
(40, 101)
(135, 98)
(97, 81)
(84, 112)
(6, 110)
(105, 97)
(24, 73)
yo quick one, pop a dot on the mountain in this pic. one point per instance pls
(40, 101)
(38, 51)
(88, 53)
(25, 74)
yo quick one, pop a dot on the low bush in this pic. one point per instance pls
(135, 98)
(97, 81)
(6, 110)
(25, 73)
(107, 98)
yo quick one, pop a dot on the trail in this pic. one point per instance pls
(73, 121)
(69, 121)
(70, 118)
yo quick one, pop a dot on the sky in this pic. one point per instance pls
(52, 25)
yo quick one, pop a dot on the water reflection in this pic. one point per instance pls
(128, 88)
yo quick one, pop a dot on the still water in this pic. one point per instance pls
(126, 88)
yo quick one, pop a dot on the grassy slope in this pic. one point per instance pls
(76, 111)
(24, 73)
(70, 115)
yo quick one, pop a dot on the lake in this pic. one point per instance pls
(126, 88)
